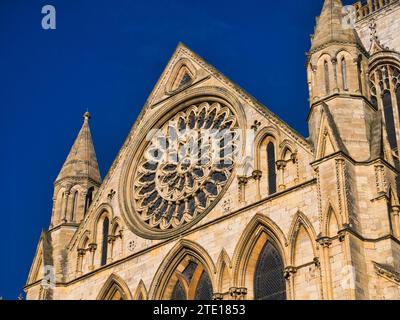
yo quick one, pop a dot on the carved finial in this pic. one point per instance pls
(86, 116)
(372, 27)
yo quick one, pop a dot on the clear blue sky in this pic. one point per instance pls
(106, 55)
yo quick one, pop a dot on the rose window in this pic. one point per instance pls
(185, 166)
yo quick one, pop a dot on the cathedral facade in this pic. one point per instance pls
(212, 196)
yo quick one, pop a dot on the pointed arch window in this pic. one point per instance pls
(385, 92)
(359, 73)
(344, 74)
(204, 288)
(179, 292)
(271, 168)
(104, 242)
(269, 281)
(74, 206)
(193, 283)
(89, 199)
(326, 74)
(389, 119)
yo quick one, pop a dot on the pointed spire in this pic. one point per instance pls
(81, 161)
(332, 26)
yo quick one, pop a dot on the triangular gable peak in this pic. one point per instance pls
(168, 87)
(43, 257)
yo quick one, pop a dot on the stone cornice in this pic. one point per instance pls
(354, 162)
(339, 95)
(330, 43)
(387, 272)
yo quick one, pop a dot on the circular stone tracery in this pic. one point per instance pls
(185, 166)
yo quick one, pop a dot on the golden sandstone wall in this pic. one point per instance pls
(332, 218)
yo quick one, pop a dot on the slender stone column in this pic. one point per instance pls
(327, 281)
(281, 165)
(257, 175)
(64, 207)
(396, 221)
(110, 248)
(242, 188)
(92, 249)
(289, 274)
(81, 255)
(334, 66)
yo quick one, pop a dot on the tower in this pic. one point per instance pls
(352, 154)
(337, 66)
(74, 189)
(77, 181)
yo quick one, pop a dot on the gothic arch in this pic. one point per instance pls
(224, 272)
(325, 75)
(328, 142)
(115, 224)
(286, 146)
(84, 240)
(257, 233)
(265, 135)
(114, 289)
(300, 222)
(185, 65)
(103, 211)
(330, 218)
(349, 68)
(73, 203)
(183, 249)
(141, 292)
(58, 206)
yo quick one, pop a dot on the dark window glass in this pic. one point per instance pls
(374, 102)
(75, 206)
(89, 198)
(326, 71)
(204, 289)
(359, 69)
(271, 168)
(185, 80)
(389, 119)
(189, 271)
(269, 281)
(104, 242)
(178, 293)
(344, 74)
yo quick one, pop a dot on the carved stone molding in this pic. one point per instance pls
(217, 296)
(92, 247)
(289, 272)
(111, 194)
(317, 263)
(324, 242)
(281, 164)
(257, 174)
(81, 252)
(181, 171)
(256, 125)
(342, 235)
(387, 272)
(237, 292)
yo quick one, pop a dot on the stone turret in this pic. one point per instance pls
(77, 181)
